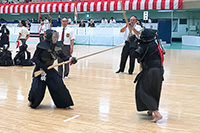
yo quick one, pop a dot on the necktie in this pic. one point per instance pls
(63, 34)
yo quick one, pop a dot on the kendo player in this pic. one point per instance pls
(44, 56)
(6, 56)
(23, 57)
(149, 80)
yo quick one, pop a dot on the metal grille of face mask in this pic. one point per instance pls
(55, 37)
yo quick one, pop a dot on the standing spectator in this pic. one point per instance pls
(24, 34)
(42, 31)
(4, 36)
(46, 23)
(82, 24)
(6, 25)
(28, 24)
(67, 36)
(104, 21)
(69, 20)
(91, 23)
(112, 20)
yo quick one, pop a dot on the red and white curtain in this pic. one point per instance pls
(91, 6)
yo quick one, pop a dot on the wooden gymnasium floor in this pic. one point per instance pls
(104, 101)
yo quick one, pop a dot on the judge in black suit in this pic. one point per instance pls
(91, 23)
(82, 24)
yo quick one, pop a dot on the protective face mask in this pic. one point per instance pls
(55, 37)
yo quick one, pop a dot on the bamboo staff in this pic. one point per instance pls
(122, 6)
(37, 73)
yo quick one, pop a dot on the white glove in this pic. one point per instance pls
(43, 76)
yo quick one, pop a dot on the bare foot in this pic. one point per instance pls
(29, 104)
(68, 107)
(149, 112)
(158, 116)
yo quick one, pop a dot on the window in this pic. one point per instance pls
(183, 21)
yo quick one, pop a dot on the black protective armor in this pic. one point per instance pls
(6, 58)
(44, 56)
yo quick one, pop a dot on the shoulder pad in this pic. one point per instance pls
(59, 43)
(44, 45)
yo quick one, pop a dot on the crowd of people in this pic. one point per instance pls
(91, 23)
(23, 56)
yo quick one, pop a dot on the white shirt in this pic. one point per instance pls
(24, 32)
(42, 29)
(46, 21)
(68, 35)
(105, 21)
(149, 20)
(113, 21)
(126, 34)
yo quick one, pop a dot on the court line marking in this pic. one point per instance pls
(71, 118)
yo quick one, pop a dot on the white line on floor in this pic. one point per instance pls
(71, 118)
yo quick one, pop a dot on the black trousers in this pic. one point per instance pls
(57, 89)
(66, 51)
(127, 51)
(148, 89)
(41, 37)
(23, 41)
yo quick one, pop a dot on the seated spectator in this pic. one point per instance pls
(112, 20)
(82, 24)
(88, 20)
(91, 23)
(33, 20)
(4, 36)
(22, 58)
(6, 57)
(104, 21)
